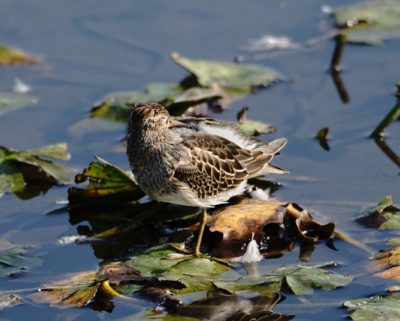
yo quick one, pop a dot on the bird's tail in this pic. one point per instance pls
(273, 148)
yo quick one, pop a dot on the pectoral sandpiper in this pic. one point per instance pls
(194, 161)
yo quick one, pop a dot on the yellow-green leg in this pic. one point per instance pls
(201, 232)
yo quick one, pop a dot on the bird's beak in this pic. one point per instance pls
(175, 123)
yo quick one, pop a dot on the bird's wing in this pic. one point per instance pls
(227, 130)
(213, 164)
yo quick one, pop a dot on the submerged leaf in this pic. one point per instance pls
(384, 215)
(10, 101)
(240, 78)
(13, 259)
(371, 22)
(106, 183)
(9, 300)
(300, 279)
(378, 308)
(12, 56)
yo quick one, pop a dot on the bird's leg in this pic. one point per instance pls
(201, 232)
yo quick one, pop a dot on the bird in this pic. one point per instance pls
(192, 161)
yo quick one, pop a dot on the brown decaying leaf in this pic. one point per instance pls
(389, 262)
(273, 222)
(82, 288)
(249, 216)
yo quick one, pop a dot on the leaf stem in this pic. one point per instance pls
(340, 235)
(393, 114)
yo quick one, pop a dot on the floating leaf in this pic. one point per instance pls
(155, 260)
(249, 215)
(18, 168)
(378, 308)
(241, 78)
(106, 183)
(371, 22)
(389, 262)
(253, 127)
(271, 222)
(173, 96)
(78, 290)
(82, 288)
(196, 274)
(9, 300)
(300, 279)
(13, 101)
(384, 215)
(12, 56)
(13, 259)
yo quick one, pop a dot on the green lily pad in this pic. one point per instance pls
(384, 215)
(14, 259)
(378, 308)
(371, 22)
(241, 78)
(155, 260)
(255, 127)
(12, 56)
(300, 279)
(9, 300)
(13, 101)
(196, 274)
(106, 183)
(115, 106)
(18, 168)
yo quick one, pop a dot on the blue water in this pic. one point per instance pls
(91, 48)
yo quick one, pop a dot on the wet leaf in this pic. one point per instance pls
(371, 22)
(273, 224)
(9, 300)
(249, 215)
(155, 260)
(384, 215)
(115, 107)
(253, 127)
(378, 308)
(389, 262)
(107, 183)
(18, 168)
(10, 101)
(240, 78)
(78, 290)
(298, 279)
(13, 259)
(82, 288)
(12, 56)
(196, 274)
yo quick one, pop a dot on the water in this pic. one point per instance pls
(92, 48)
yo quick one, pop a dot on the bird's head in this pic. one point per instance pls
(149, 117)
